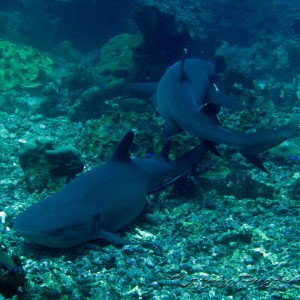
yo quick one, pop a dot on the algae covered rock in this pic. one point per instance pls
(66, 50)
(116, 59)
(241, 185)
(289, 150)
(39, 156)
(88, 105)
(21, 66)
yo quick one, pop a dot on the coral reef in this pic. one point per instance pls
(89, 105)
(190, 14)
(163, 42)
(226, 232)
(230, 246)
(39, 156)
(116, 59)
(81, 90)
(102, 134)
(21, 66)
(66, 50)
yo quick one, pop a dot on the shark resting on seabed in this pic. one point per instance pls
(104, 199)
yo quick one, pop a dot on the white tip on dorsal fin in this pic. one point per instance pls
(122, 154)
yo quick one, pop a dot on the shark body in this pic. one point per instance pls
(187, 99)
(103, 200)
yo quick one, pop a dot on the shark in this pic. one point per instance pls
(105, 199)
(187, 98)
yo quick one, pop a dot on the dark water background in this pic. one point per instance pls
(88, 24)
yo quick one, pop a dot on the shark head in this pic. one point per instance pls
(61, 237)
(51, 224)
(93, 205)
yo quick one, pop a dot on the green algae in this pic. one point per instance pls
(116, 59)
(21, 66)
(39, 157)
(116, 56)
(221, 173)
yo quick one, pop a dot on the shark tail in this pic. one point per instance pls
(181, 166)
(258, 142)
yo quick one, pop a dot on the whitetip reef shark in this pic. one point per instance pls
(104, 199)
(187, 99)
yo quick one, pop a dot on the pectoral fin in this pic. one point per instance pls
(112, 238)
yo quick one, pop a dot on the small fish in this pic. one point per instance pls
(292, 157)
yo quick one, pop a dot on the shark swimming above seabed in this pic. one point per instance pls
(187, 99)
(103, 200)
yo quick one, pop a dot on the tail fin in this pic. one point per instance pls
(258, 142)
(180, 167)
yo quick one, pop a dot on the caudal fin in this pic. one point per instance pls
(259, 142)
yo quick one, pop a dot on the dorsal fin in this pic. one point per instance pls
(164, 153)
(182, 73)
(121, 153)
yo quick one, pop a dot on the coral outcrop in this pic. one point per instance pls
(116, 59)
(22, 66)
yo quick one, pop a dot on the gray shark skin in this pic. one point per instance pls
(187, 99)
(103, 200)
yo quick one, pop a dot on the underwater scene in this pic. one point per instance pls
(150, 149)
